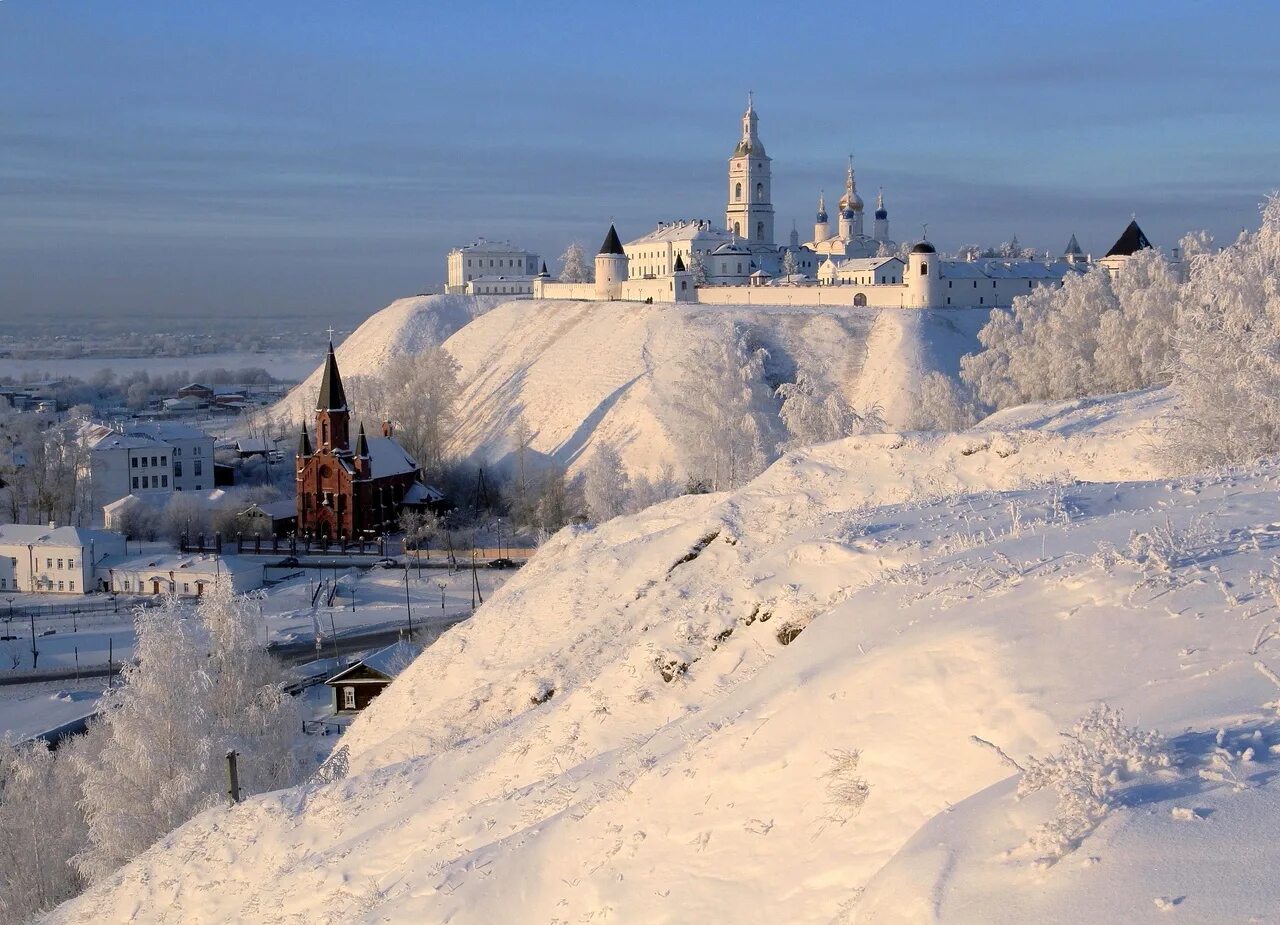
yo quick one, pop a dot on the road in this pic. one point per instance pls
(293, 653)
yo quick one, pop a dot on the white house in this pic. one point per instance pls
(120, 464)
(483, 258)
(192, 452)
(55, 560)
(185, 575)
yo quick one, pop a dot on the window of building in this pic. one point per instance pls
(164, 460)
(134, 461)
(59, 563)
(135, 481)
(948, 300)
(144, 462)
(186, 588)
(146, 481)
(126, 584)
(759, 192)
(72, 586)
(71, 563)
(164, 481)
(981, 300)
(737, 192)
(48, 563)
(759, 231)
(177, 451)
(177, 469)
(348, 698)
(4, 583)
(153, 461)
(61, 586)
(924, 269)
(197, 451)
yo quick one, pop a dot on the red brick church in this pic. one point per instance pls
(348, 495)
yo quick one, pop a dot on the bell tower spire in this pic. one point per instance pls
(749, 213)
(333, 417)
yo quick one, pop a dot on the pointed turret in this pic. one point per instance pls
(1073, 251)
(362, 443)
(611, 243)
(304, 443)
(1130, 241)
(332, 397)
(679, 267)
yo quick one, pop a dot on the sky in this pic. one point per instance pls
(164, 159)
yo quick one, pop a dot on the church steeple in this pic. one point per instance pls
(304, 443)
(333, 418)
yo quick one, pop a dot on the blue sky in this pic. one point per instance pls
(244, 158)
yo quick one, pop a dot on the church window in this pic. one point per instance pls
(737, 193)
(759, 192)
(759, 231)
(924, 269)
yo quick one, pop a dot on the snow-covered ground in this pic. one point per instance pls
(27, 710)
(656, 720)
(585, 373)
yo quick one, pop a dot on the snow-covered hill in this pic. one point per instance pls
(656, 720)
(585, 373)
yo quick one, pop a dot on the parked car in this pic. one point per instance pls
(288, 562)
(386, 563)
(502, 562)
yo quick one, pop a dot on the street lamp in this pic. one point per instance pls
(442, 584)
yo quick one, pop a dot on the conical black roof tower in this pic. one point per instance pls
(611, 243)
(304, 442)
(332, 397)
(1130, 242)
(362, 443)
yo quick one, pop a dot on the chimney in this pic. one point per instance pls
(386, 428)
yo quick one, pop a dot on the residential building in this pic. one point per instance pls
(53, 560)
(181, 574)
(357, 686)
(483, 258)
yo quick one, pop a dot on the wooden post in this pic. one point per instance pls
(233, 777)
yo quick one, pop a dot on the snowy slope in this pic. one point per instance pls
(639, 726)
(583, 373)
(406, 326)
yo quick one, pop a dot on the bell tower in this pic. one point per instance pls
(749, 213)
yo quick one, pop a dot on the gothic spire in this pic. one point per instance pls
(304, 442)
(362, 443)
(332, 397)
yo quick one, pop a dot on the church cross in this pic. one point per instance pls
(331, 334)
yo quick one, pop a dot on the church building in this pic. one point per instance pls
(347, 494)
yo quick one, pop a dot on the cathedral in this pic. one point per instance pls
(348, 495)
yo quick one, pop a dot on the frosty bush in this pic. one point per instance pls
(1100, 752)
(1226, 382)
(944, 405)
(847, 790)
(1094, 335)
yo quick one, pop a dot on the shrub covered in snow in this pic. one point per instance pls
(1099, 754)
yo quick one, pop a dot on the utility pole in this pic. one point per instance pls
(233, 777)
(407, 608)
(35, 653)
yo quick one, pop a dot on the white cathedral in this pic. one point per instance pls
(692, 260)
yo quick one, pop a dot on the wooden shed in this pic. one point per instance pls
(356, 686)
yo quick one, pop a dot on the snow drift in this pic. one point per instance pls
(744, 707)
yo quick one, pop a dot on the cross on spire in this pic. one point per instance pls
(331, 335)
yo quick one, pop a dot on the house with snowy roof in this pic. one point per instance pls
(347, 493)
(355, 687)
(53, 560)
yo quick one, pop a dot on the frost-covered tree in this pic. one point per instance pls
(1226, 380)
(418, 394)
(574, 265)
(943, 404)
(1093, 335)
(154, 769)
(698, 267)
(247, 710)
(790, 265)
(42, 826)
(726, 407)
(811, 416)
(606, 487)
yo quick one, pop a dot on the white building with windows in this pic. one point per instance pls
(185, 575)
(486, 259)
(53, 560)
(122, 464)
(192, 452)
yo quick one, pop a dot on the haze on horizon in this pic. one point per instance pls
(162, 160)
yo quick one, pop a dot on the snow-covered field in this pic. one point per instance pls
(761, 707)
(585, 373)
(286, 365)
